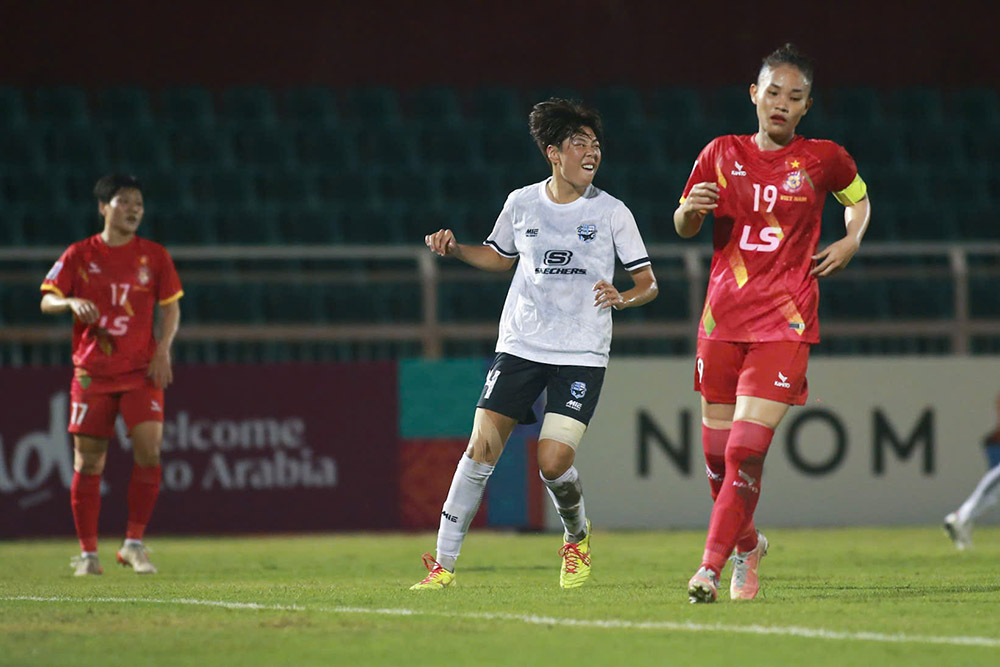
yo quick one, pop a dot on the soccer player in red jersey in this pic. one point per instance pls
(111, 283)
(766, 191)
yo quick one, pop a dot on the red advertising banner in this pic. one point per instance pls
(246, 449)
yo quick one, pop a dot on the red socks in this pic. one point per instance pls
(143, 489)
(713, 442)
(85, 499)
(732, 515)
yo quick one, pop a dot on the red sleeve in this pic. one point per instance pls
(62, 275)
(840, 169)
(702, 171)
(168, 287)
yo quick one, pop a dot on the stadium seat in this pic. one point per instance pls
(978, 107)
(982, 146)
(40, 190)
(474, 187)
(874, 145)
(166, 189)
(223, 187)
(920, 108)
(310, 224)
(292, 302)
(278, 187)
(620, 107)
(12, 111)
(677, 107)
(377, 225)
(387, 145)
(511, 147)
(137, 150)
(373, 106)
(251, 225)
(76, 147)
(541, 93)
(56, 227)
(223, 303)
(636, 147)
(262, 147)
(25, 299)
(407, 187)
(454, 146)
(498, 106)
(124, 107)
(934, 146)
(187, 107)
(346, 188)
(62, 106)
(248, 107)
(436, 105)
(325, 148)
(179, 227)
(21, 149)
(313, 107)
(471, 301)
(200, 146)
(731, 106)
(859, 104)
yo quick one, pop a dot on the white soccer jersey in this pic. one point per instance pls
(564, 249)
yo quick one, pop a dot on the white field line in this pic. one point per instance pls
(532, 619)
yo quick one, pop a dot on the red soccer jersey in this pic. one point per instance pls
(766, 230)
(125, 283)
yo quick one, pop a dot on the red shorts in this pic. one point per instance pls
(774, 370)
(92, 411)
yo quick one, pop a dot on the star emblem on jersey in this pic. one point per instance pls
(578, 389)
(587, 233)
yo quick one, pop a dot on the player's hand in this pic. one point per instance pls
(703, 197)
(442, 242)
(160, 371)
(84, 310)
(835, 257)
(607, 296)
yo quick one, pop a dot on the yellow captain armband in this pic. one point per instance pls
(853, 193)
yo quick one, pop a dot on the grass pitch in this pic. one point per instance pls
(847, 596)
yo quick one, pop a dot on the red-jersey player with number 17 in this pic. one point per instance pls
(766, 191)
(112, 282)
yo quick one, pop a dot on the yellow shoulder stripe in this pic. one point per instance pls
(171, 299)
(53, 288)
(853, 193)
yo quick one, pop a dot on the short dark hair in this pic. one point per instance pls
(556, 119)
(109, 185)
(789, 54)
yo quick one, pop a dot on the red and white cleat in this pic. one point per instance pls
(744, 584)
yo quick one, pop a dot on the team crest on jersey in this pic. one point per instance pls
(793, 181)
(587, 233)
(144, 275)
(578, 389)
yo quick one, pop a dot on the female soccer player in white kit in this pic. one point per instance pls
(555, 330)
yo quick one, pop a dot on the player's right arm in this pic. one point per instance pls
(83, 309)
(691, 213)
(443, 244)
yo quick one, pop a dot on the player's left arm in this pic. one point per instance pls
(160, 370)
(644, 291)
(857, 212)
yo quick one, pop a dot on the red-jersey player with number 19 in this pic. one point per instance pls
(766, 192)
(112, 283)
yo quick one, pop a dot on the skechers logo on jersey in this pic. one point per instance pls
(782, 381)
(738, 171)
(531, 233)
(575, 405)
(450, 517)
(559, 258)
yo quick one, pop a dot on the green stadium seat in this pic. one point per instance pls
(269, 147)
(636, 147)
(200, 146)
(851, 296)
(62, 106)
(138, 149)
(877, 146)
(310, 224)
(251, 225)
(22, 302)
(920, 108)
(471, 301)
(41, 190)
(346, 188)
(223, 187)
(541, 93)
(12, 112)
(620, 108)
(387, 145)
(982, 146)
(979, 108)
(407, 187)
(311, 107)
(77, 147)
(223, 303)
(937, 147)
(474, 187)
(855, 105)
(377, 225)
(125, 107)
(326, 148)
(397, 302)
(166, 189)
(436, 106)
(248, 106)
(454, 146)
(917, 298)
(180, 227)
(56, 227)
(21, 149)
(984, 298)
(731, 106)
(280, 187)
(187, 107)
(498, 106)
(511, 147)
(678, 107)
(374, 106)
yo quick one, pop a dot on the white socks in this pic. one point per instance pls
(467, 487)
(132, 543)
(567, 494)
(985, 495)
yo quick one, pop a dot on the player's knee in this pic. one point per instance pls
(554, 467)
(482, 451)
(89, 463)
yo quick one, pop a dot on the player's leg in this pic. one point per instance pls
(142, 410)
(91, 423)
(571, 399)
(959, 523)
(512, 385)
